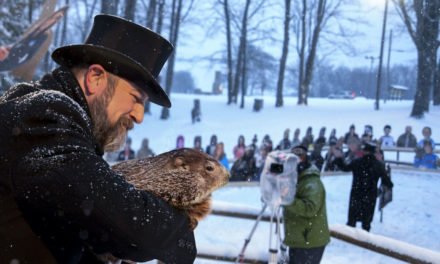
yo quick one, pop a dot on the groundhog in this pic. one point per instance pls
(185, 178)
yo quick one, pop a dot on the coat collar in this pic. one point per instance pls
(63, 80)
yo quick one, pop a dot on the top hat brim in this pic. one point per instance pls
(116, 63)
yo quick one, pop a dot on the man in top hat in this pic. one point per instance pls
(366, 173)
(59, 200)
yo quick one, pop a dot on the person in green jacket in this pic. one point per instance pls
(306, 227)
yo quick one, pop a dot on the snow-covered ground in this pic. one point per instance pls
(412, 217)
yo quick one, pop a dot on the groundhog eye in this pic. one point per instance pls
(209, 168)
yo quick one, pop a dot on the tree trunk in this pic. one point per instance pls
(424, 36)
(30, 10)
(64, 29)
(436, 92)
(151, 14)
(130, 7)
(229, 49)
(160, 16)
(283, 60)
(174, 34)
(244, 75)
(313, 47)
(424, 83)
(109, 7)
(302, 54)
(241, 51)
(244, 62)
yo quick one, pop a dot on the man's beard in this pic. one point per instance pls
(109, 136)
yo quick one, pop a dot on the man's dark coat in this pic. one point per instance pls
(366, 173)
(54, 180)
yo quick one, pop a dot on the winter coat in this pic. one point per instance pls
(407, 141)
(239, 151)
(144, 152)
(427, 161)
(210, 150)
(224, 161)
(307, 140)
(296, 142)
(59, 188)
(348, 136)
(244, 169)
(122, 155)
(305, 219)
(366, 173)
(284, 144)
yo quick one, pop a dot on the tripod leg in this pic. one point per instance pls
(273, 251)
(240, 257)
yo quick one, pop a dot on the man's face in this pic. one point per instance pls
(115, 111)
(387, 131)
(426, 133)
(408, 129)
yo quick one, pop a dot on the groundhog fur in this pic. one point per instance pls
(185, 178)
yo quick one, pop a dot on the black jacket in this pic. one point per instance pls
(407, 141)
(366, 173)
(53, 169)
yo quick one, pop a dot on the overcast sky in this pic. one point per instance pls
(366, 43)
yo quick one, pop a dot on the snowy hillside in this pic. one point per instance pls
(412, 217)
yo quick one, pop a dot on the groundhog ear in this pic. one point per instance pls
(179, 162)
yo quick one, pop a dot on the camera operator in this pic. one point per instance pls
(306, 227)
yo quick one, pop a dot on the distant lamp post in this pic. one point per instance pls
(370, 75)
(379, 71)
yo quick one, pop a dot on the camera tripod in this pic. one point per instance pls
(275, 221)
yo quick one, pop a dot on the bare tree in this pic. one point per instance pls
(174, 33)
(64, 29)
(151, 16)
(424, 32)
(160, 16)
(85, 16)
(151, 13)
(285, 52)
(314, 16)
(301, 55)
(130, 7)
(240, 73)
(228, 49)
(109, 7)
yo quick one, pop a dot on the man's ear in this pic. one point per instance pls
(95, 79)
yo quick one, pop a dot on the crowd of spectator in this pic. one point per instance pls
(247, 161)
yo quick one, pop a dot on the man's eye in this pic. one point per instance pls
(136, 99)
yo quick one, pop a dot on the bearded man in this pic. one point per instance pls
(59, 200)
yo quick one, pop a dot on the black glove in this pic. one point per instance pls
(184, 251)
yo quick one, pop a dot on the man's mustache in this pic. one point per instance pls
(126, 122)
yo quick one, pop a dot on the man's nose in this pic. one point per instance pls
(138, 113)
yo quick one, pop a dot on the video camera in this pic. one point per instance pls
(279, 178)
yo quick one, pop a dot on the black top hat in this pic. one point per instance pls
(124, 48)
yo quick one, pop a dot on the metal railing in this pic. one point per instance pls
(376, 243)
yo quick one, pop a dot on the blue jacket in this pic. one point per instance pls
(428, 161)
(224, 161)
